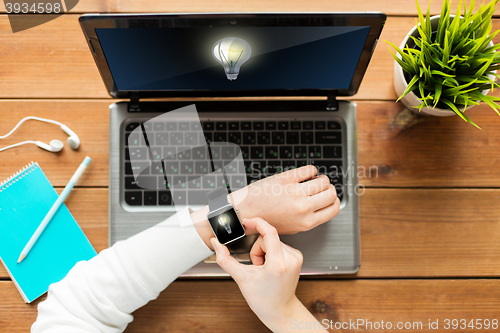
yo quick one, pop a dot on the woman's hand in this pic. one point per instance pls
(269, 284)
(288, 203)
(291, 201)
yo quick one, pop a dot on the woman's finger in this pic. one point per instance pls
(257, 253)
(315, 186)
(323, 199)
(229, 264)
(326, 213)
(300, 174)
(271, 243)
(293, 251)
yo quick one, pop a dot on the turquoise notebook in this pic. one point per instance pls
(25, 199)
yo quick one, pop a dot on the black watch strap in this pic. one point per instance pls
(217, 198)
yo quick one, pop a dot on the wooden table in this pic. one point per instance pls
(430, 218)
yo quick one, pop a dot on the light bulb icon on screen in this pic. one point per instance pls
(224, 221)
(231, 53)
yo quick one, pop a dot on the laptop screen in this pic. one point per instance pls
(232, 58)
(232, 54)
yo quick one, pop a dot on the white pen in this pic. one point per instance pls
(54, 208)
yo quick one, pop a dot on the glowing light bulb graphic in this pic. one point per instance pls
(224, 221)
(231, 53)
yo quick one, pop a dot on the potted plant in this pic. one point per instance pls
(447, 63)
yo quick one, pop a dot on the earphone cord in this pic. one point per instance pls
(22, 121)
(17, 144)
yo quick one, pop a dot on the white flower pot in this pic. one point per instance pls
(400, 84)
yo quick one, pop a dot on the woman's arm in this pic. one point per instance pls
(99, 295)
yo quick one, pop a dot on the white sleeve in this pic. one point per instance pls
(99, 295)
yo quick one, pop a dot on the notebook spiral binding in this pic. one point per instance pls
(18, 175)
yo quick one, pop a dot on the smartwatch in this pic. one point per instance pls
(223, 218)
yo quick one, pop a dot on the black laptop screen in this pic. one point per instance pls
(214, 58)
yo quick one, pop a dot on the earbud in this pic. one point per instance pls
(73, 140)
(55, 145)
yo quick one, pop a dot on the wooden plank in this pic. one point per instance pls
(377, 83)
(83, 6)
(407, 149)
(389, 7)
(88, 119)
(217, 306)
(53, 60)
(396, 148)
(49, 61)
(90, 209)
(404, 233)
(430, 233)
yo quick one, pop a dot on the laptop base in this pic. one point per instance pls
(331, 248)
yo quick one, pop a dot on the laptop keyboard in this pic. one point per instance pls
(268, 147)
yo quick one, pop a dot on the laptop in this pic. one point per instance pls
(296, 64)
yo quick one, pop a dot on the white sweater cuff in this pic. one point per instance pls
(99, 295)
(161, 253)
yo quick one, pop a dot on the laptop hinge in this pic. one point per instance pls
(133, 105)
(331, 101)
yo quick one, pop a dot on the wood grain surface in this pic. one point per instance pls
(49, 61)
(88, 119)
(217, 306)
(390, 7)
(83, 6)
(404, 233)
(54, 61)
(430, 211)
(397, 148)
(412, 150)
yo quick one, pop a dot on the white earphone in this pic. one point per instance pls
(55, 145)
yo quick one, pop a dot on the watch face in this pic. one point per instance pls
(226, 226)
